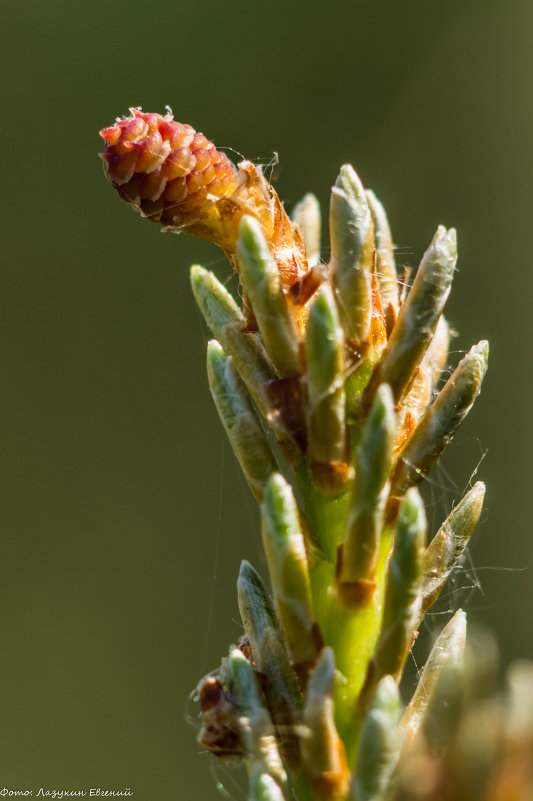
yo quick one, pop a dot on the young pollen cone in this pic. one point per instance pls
(175, 176)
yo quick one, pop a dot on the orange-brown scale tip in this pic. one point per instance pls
(111, 134)
(152, 158)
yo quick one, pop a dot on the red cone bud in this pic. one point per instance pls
(152, 159)
(175, 176)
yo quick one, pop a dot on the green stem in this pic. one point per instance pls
(351, 633)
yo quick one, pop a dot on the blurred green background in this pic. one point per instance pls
(124, 517)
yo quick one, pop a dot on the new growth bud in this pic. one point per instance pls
(385, 266)
(271, 658)
(446, 654)
(402, 591)
(419, 314)
(365, 521)
(284, 546)
(257, 729)
(225, 320)
(240, 420)
(261, 280)
(447, 546)
(420, 393)
(322, 749)
(352, 253)
(306, 215)
(324, 347)
(379, 744)
(441, 420)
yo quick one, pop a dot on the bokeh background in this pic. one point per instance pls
(123, 515)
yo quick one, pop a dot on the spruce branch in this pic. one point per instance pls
(335, 368)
